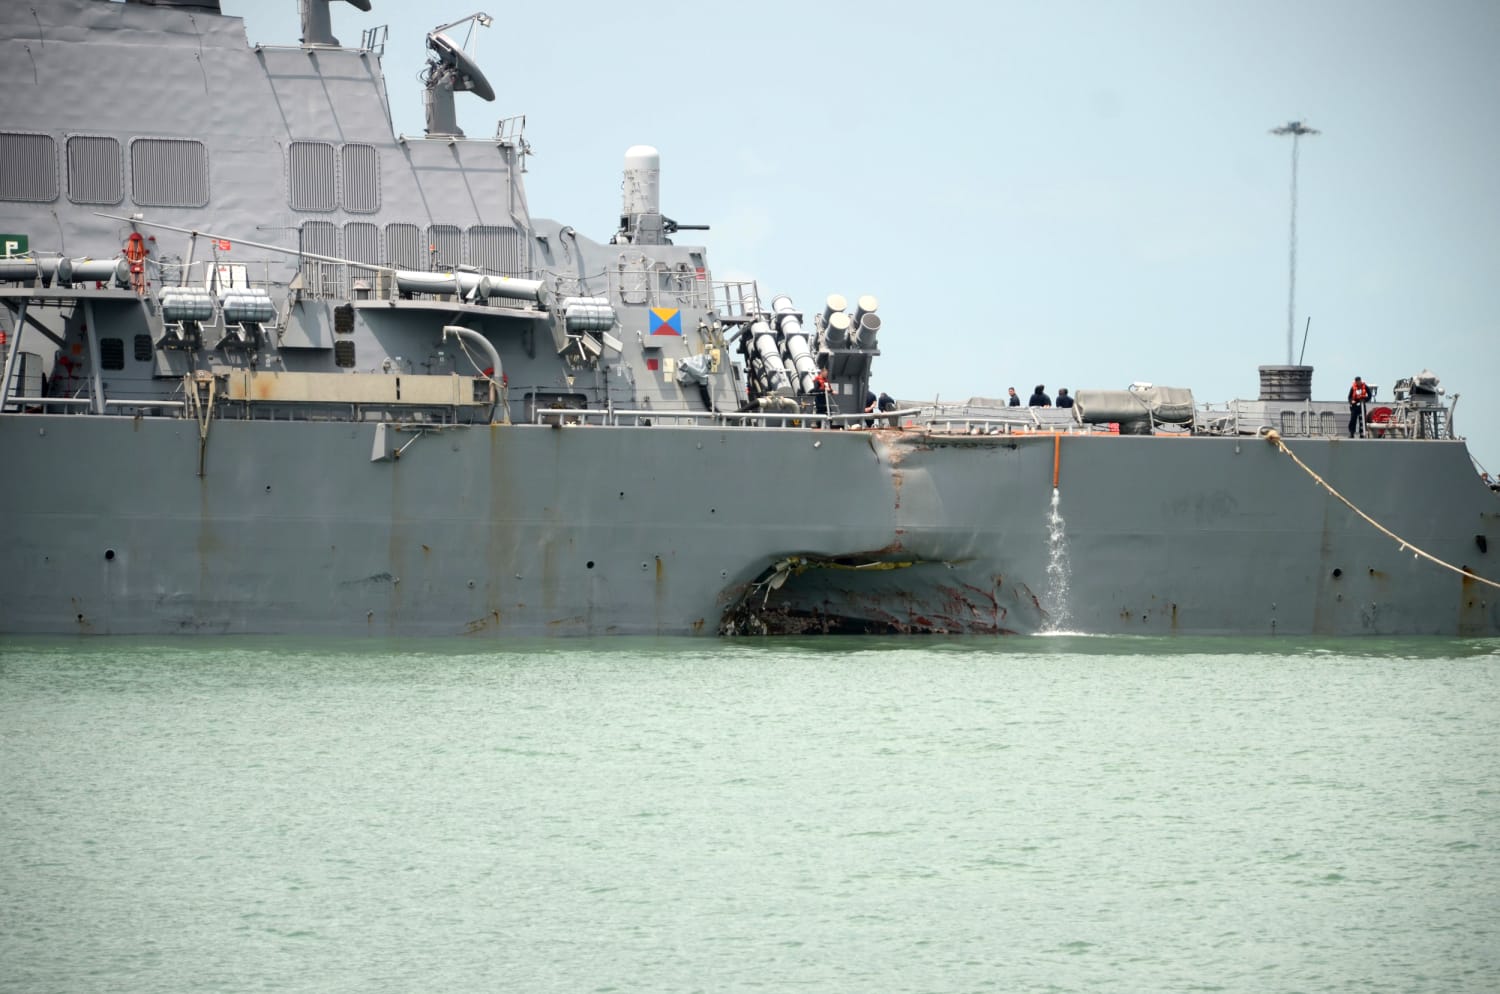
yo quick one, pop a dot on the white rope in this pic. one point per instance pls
(1275, 439)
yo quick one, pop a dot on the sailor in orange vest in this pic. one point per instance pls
(135, 253)
(1358, 394)
(820, 392)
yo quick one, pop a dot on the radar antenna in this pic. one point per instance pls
(317, 29)
(451, 68)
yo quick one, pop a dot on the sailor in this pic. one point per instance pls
(1015, 398)
(870, 401)
(1358, 394)
(1039, 397)
(1063, 400)
(820, 391)
(135, 254)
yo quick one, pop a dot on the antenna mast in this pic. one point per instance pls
(1296, 129)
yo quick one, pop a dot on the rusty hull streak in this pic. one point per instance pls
(482, 624)
(1472, 605)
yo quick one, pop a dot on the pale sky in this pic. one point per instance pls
(1076, 194)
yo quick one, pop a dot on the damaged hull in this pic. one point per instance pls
(532, 530)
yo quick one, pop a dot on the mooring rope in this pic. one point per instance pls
(1274, 438)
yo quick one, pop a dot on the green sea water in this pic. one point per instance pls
(861, 815)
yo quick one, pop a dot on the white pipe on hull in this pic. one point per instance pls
(93, 271)
(473, 284)
(496, 373)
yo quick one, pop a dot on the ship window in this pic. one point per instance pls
(1329, 423)
(312, 184)
(403, 246)
(496, 249)
(1289, 423)
(143, 348)
(94, 175)
(446, 243)
(168, 172)
(361, 164)
(362, 243)
(111, 353)
(343, 352)
(28, 167)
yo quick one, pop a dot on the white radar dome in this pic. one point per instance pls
(642, 184)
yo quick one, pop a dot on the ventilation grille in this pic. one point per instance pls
(321, 238)
(28, 167)
(446, 241)
(362, 242)
(403, 246)
(94, 175)
(169, 172)
(361, 178)
(312, 184)
(496, 249)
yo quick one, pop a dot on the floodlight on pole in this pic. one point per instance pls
(1296, 129)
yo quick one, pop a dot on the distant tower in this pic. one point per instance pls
(1296, 129)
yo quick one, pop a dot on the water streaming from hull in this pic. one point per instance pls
(1058, 568)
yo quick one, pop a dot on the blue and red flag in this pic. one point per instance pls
(666, 321)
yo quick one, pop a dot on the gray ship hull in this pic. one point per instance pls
(267, 367)
(296, 527)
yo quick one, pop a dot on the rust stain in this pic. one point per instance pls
(482, 624)
(1472, 606)
(698, 626)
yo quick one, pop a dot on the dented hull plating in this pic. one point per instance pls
(530, 530)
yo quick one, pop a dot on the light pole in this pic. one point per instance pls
(1296, 129)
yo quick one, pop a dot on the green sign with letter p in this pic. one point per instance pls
(12, 245)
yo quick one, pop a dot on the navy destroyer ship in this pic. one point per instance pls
(269, 367)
